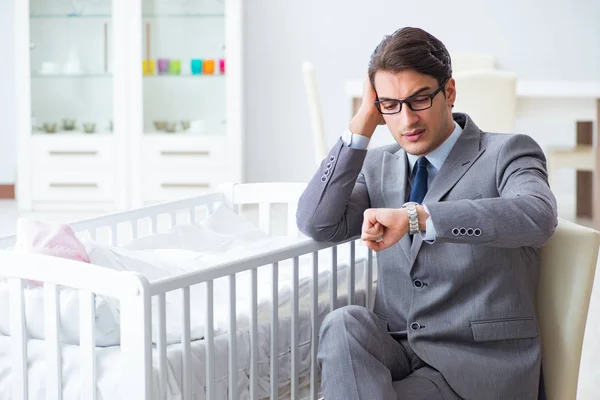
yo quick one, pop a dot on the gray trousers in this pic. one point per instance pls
(360, 360)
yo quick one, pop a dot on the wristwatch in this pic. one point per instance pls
(413, 218)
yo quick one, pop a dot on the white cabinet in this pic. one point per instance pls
(182, 166)
(73, 169)
(125, 103)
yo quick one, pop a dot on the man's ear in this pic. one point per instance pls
(450, 91)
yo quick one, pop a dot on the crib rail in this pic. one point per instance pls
(152, 213)
(229, 269)
(131, 289)
(236, 265)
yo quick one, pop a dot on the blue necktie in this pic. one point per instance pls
(419, 186)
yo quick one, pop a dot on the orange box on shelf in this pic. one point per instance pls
(208, 67)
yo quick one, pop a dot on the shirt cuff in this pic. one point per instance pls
(355, 141)
(430, 234)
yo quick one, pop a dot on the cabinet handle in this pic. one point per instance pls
(72, 153)
(185, 153)
(73, 185)
(167, 185)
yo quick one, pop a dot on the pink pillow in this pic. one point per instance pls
(49, 238)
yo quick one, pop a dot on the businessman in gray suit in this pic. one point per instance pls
(457, 217)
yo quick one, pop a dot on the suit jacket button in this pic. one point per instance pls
(418, 283)
(415, 326)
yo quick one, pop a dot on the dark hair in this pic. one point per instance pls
(411, 49)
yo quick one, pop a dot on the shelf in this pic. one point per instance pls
(70, 76)
(107, 75)
(146, 15)
(190, 15)
(184, 134)
(185, 76)
(69, 16)
(71, 133)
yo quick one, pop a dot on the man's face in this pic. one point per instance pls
(417, 132)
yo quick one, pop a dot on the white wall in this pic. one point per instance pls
(8, 137)
(539, 39)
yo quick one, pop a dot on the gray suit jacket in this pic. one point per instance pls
(473, 318)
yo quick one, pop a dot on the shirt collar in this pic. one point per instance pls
(437, 157)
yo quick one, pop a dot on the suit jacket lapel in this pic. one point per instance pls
(462, 156)
(394, 179)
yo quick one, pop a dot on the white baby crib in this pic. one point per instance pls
(145, 369)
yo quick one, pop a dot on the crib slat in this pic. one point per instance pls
(93, 233)
(185, 342)
(351, 273)
(18, 332)
(253, 336)
(173, 217)
(114, 240)
(275, 331)
(87, 343)
(264, 217)
(333, 280)
(162, 346)
(232, 339)
(210, 343)
(192, 214)
(295, 327)
(292, 227)
(154, 223)
(134, 229)
(314, 387)
(52, 342)
(369, 280)
(209, 209)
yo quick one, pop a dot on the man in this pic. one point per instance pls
(455, 316)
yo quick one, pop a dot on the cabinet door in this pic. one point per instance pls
(71, 96)
(184, 76)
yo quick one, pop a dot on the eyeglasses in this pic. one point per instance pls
(418, 102)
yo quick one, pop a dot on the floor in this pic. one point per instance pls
(589, 372)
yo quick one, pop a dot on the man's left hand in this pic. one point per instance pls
(384, 227)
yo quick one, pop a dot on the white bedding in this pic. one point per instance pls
(184, 248)
(108, 358)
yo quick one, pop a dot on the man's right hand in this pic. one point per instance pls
(368, 117)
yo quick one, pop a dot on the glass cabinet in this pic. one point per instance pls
(183, 66)
(71, 71)
(127, 103)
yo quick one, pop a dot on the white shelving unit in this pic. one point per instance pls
(82, 60)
